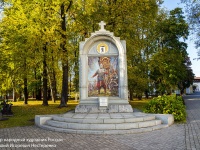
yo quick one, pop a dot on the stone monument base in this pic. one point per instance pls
(104, 123)
(112, 108)
(104, 105)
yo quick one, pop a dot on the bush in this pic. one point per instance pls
(168, 105)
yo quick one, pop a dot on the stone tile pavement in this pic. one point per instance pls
(176, 137)
(192, 127)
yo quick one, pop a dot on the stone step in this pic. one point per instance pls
(103, 120)
(105, 123)
(130, 131)
(102, 126)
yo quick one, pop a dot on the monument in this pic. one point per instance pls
(103, 106)
(103, 74)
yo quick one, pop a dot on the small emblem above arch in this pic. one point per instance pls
(102, 48)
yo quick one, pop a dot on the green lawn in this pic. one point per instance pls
(24, 114)
(139, 104)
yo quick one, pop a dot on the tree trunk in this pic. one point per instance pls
(49, 93)
(131, 94)
(45, 87)
(38, 86)
(53, 86)
(33, 94)
(182, 91)
(14, 95)
(20, 95)
(38, 89)
(45, 100)
(52, 79)
(146, 94)
(70, 85)
(64, 94)
(76, 80)
(25, 91)
(38, 94)
(139, 96)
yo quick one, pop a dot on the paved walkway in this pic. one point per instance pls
(192, 128)
(175, 137)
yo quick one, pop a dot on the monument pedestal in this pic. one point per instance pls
(113, 108)
(103, 105)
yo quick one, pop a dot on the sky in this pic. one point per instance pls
(192, 51)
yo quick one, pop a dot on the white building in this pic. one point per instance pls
(189, 90)
(197, 83)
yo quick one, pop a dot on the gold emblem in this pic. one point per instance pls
(102, 48)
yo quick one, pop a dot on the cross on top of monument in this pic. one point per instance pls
(102, 24)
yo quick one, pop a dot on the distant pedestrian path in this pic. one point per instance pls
(192, 127)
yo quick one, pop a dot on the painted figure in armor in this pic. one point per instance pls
(100, 73)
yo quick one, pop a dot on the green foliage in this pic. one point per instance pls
(167, 65)
(36, 31)
(168, 105)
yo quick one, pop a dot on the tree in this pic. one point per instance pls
(193, 16)
(65, 7)
(188, 77)
(14, 45)
(40, 44)
(46, 29)
(167, 65)
(131, 22)
(31, 37)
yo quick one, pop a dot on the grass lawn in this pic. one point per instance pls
(24, 114)
(139, 104)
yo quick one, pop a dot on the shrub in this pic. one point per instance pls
(167, 105)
